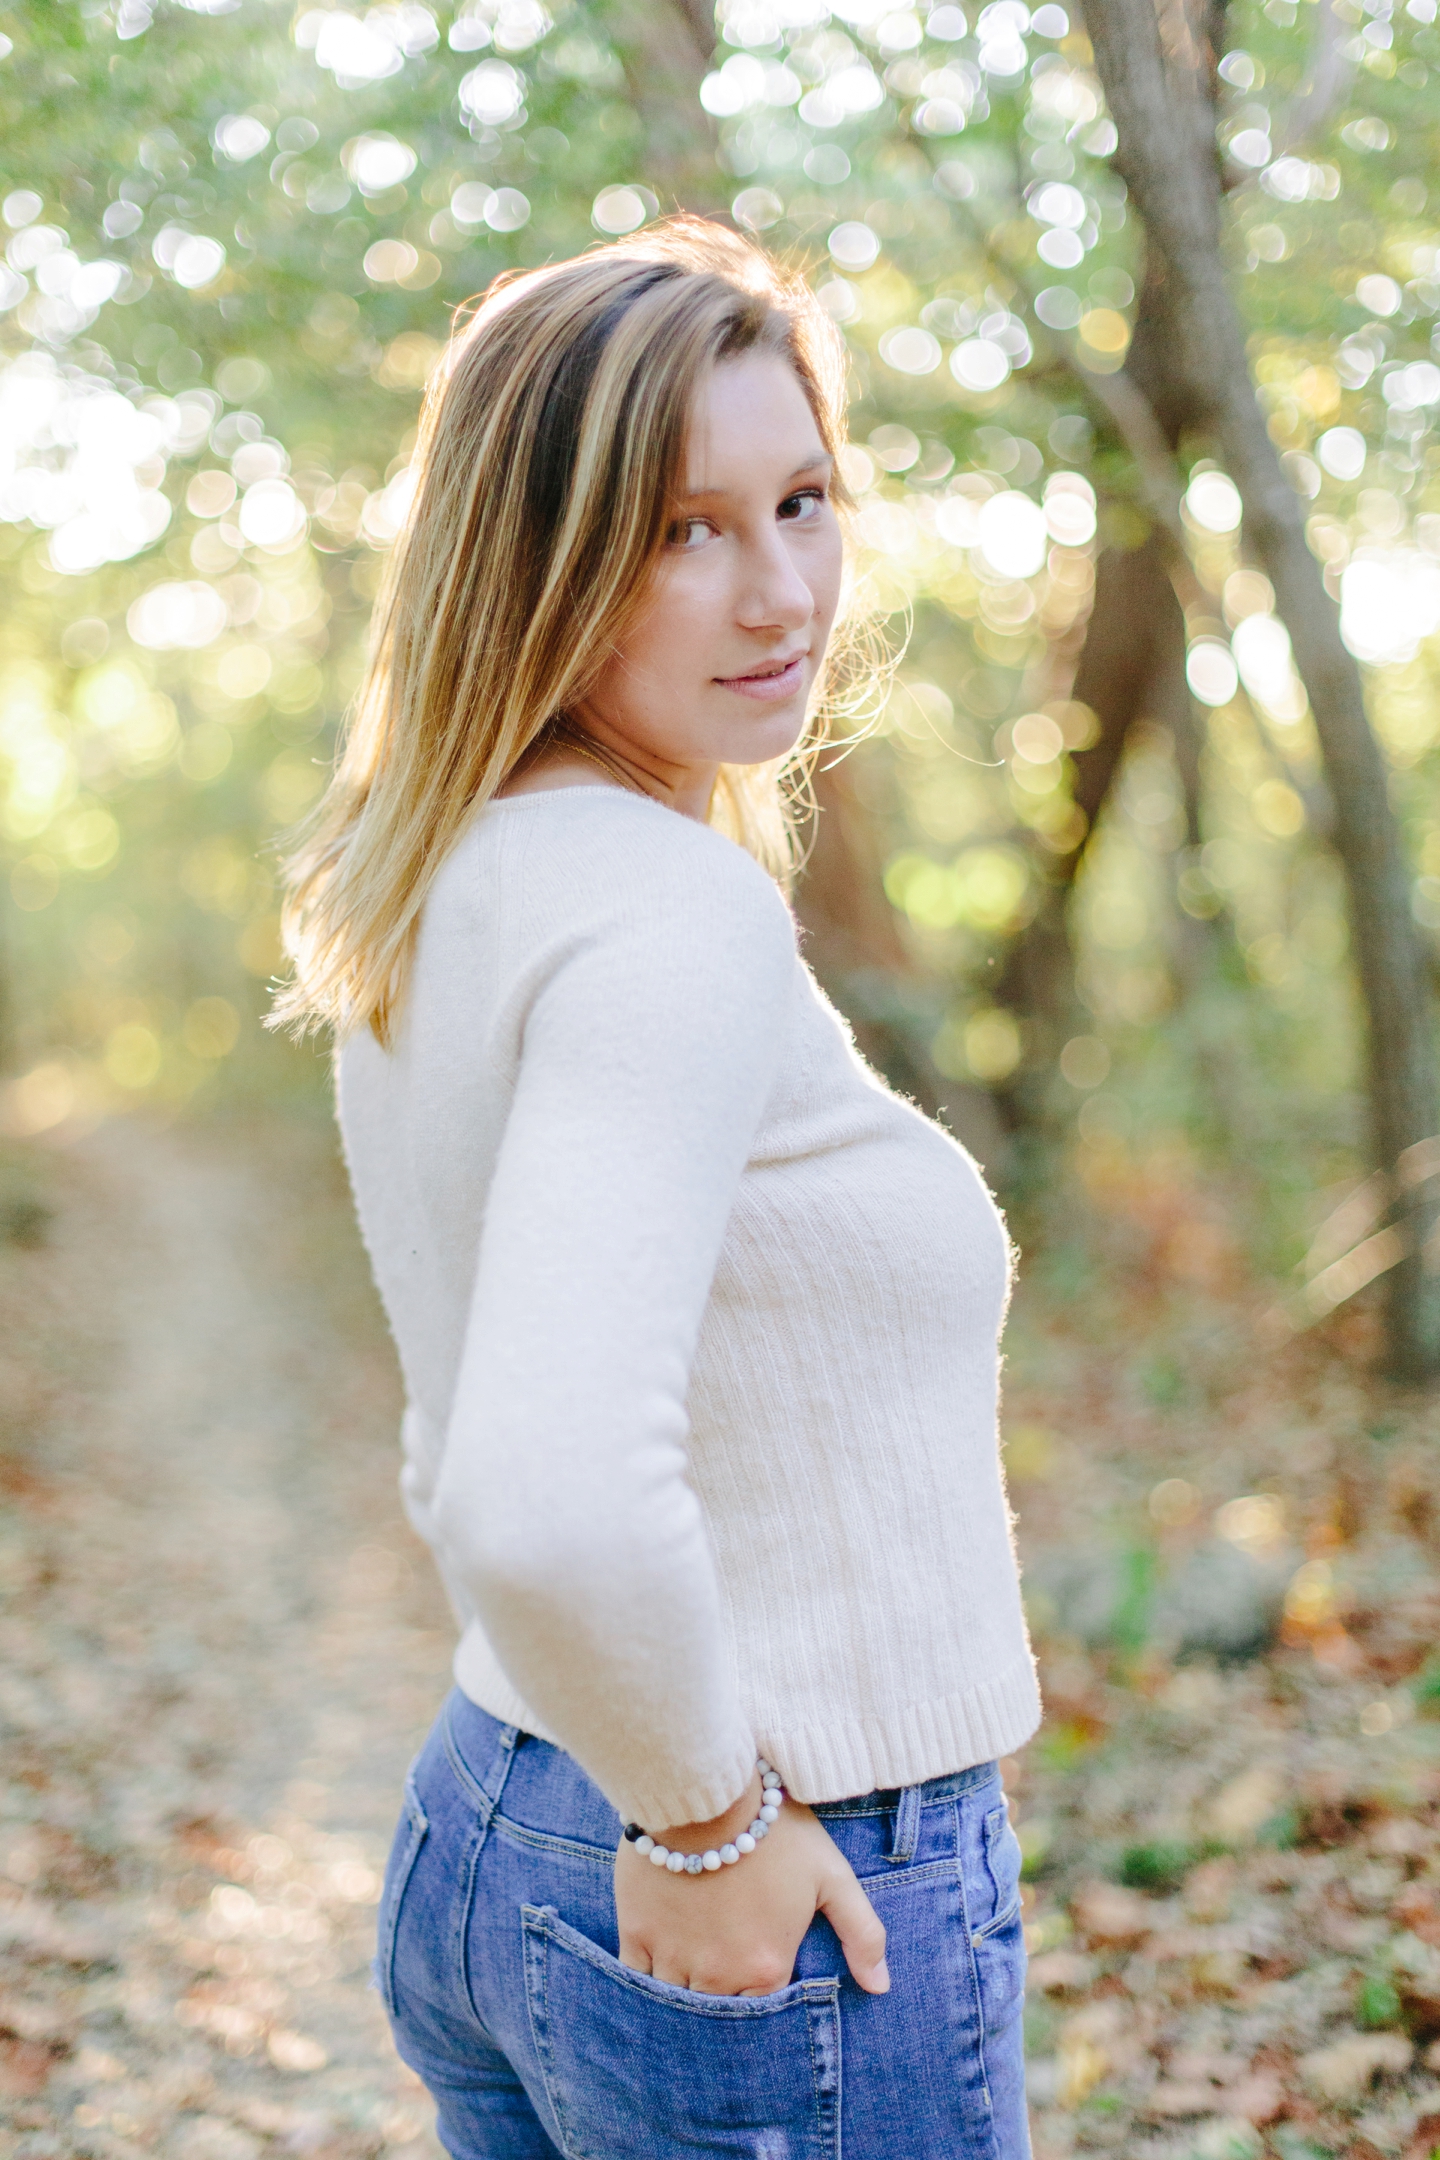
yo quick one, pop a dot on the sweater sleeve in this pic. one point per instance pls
(563, 1506)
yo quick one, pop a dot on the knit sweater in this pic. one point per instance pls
(698, 1323)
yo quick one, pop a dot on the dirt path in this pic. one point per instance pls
(220, 1648)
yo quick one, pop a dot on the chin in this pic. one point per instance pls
(763, 741)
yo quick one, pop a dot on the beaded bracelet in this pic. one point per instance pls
(695, 1863)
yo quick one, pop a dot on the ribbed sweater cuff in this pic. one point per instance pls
(666, 1806)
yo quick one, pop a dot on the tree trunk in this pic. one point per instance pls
(1131, 667)
(665, 51)
(1155, 64)
(854, 944)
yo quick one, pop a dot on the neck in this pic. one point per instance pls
(683, 787)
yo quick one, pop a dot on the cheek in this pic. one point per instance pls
(828, 574)
(672, 638)
(661, 657)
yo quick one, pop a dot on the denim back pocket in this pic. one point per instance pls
(410, 1835)
(634, 2067)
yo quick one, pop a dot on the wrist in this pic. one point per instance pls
(703, 1847)
(699, 1837)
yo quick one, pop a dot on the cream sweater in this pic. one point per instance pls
(699, 1327)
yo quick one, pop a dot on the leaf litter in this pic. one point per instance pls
(222, 1647)
(1231, 1816)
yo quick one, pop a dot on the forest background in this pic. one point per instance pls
(1134, 875)
(235, 239)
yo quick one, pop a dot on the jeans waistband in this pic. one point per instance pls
(481, 1751)
(928, 1794)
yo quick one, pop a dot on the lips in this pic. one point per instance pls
(771, 679)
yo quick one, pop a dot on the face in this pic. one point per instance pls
(719, 667)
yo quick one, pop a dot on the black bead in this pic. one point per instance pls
(633, 1830)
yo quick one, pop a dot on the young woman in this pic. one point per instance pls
(698, 1321)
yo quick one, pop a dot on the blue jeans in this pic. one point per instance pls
(497, 1961)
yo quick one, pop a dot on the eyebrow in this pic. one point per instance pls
(821, 457)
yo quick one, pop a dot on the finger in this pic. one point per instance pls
(860, 1929)
(634, 1956)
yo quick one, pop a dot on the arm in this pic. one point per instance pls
(562, 1505)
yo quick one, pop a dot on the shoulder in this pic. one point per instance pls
(613, 864)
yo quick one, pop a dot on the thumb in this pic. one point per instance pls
(859, 1927)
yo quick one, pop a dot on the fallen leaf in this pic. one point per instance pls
(1343, 2072)
(1210, 1888)
(1258, 2099)
(1061, 1972)
(295, 2051)
(1105, 1913)
(1177, 2096)
(1417, 1909)
(1082, 2065)
(1250, 1799)
(25, 2067)
(1226, 2137)
(1424, 2138)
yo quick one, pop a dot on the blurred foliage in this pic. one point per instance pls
(1161, 1867)
(1377, 2003)
(236, 235)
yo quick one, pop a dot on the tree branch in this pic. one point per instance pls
(1327, 74)
(664, 48)
(1134, 419)
(700, 16)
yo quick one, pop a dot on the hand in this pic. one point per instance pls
(736, 1931)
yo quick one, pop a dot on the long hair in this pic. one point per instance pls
(548, 462)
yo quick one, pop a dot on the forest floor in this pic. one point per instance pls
(1231, 1815)
(221, 1647)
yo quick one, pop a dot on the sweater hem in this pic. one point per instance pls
(909, 1745)
(838, 1760)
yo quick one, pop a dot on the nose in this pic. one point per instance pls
(773, 593)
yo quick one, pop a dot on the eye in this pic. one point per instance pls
(687, 534)
(800, 508)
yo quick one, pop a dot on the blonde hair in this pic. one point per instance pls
(548, 461)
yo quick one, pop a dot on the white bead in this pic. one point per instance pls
(676, 1863)
(761, 1765)
(645, 1844)
(768, 1814)
(693, 1863)
(759, 1829)
(659, 1854)
(744, 1843)
(771, 1777)
(729, 1854)
(710, 1861)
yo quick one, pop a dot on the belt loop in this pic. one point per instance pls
(493, 1782)
(906, 1834)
